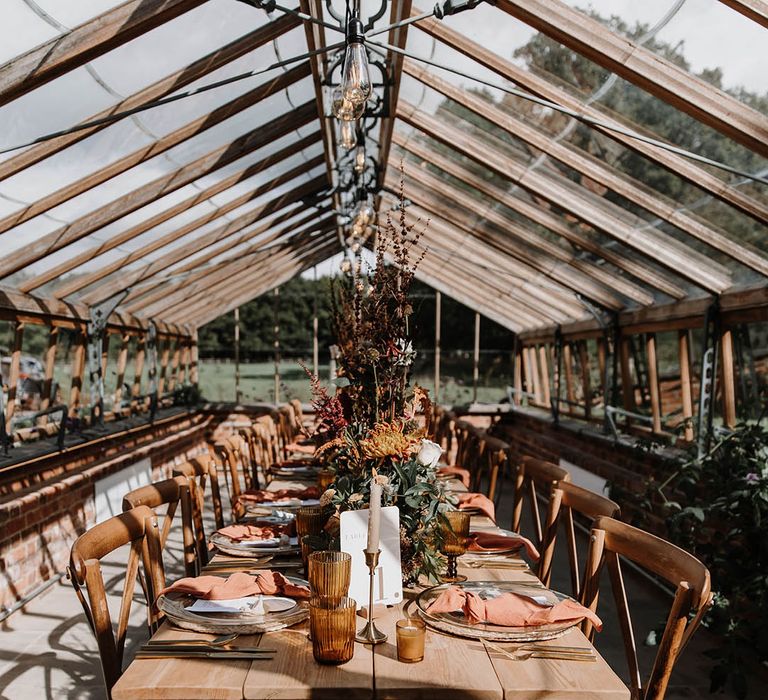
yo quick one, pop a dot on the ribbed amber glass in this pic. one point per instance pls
(329, 574)
(332, 627)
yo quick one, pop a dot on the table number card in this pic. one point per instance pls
(388, 577)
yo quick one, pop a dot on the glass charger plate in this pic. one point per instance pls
(175, 605)
(456, 624)
(236, 549)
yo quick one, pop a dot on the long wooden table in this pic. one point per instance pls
(453, 668)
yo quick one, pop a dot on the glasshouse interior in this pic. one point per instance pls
(338, 337)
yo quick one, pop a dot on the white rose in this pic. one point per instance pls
(429, 453)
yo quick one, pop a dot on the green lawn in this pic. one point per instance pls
(217, 383)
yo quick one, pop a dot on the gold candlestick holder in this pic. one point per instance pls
(369, 634)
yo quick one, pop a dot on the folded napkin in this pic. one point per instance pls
(300, 448)
(262, 496)
(251, 533)
(458, 472)
(477, 500)
(510, 609)
(489, 541)
(238, 585)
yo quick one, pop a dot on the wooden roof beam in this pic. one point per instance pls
(131, 277)
(540, 216)
(85, 280)
(528, 291)
(214, 310)
(552, 260)
(712, 277)
(162, 291)
(756, 10)
(161, 88)
(161, 145)
(238, 286)
(623, 185)
(70, 286)
(398, 36)
(541, 87)
(651, 72)
(157, 188)
(85, 42)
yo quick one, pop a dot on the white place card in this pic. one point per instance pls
(388, 577)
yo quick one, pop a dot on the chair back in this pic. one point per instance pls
(611, 539)
(171, 493)
(298, 415)
(491, 460)
(566, 499)
(532, 477)
(137, 528)
(198, 471)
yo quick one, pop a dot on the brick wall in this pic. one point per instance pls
(531, 432)
(38, 526)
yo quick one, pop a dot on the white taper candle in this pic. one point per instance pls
(374, 517)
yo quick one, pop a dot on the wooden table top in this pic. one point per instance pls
(453, 668)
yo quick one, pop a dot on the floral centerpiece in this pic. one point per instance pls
(370, 428)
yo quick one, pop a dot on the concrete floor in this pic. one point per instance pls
(48, 651)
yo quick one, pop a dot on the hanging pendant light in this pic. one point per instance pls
(355, 76)
(348, 136)
(345, 109)
(360, 158)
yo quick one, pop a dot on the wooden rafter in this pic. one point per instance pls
(112, 211)
(543, 88)
(161, 145)
(71, 286)
(242, 282)
(196, 268)
(161, 88)
(552, 260)
(146, 304)
(661, 248)
(533, 291)
(652, 72)
(756, 10)
(85, 280)
(398, 36)
(527, 259)
(632, 190)
(131, 277)
(85, 42)
(250, 282)
(541, 216)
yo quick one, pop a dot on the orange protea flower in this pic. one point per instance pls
(388, 440)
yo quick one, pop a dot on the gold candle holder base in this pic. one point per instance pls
(370, 634)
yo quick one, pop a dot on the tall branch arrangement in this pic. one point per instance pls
(371, 426)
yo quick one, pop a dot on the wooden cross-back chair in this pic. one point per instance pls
(467, 444)
(198, 471)
(291, 431)
(175, 494)
(137, 528)
(533, 476)
(227, 453)
(490, 462)
(566, 499)
(611, 539)
(444, 428)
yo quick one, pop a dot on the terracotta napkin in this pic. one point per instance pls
(489, 541)
(263, 496)
(249, 533)
(300, 448)
(458, 472)
(238, 585)
(510, 609)
(477, 500)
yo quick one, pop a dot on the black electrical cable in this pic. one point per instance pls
(167, 100)
(589, 121)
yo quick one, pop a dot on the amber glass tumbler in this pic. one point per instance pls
(332, 627)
